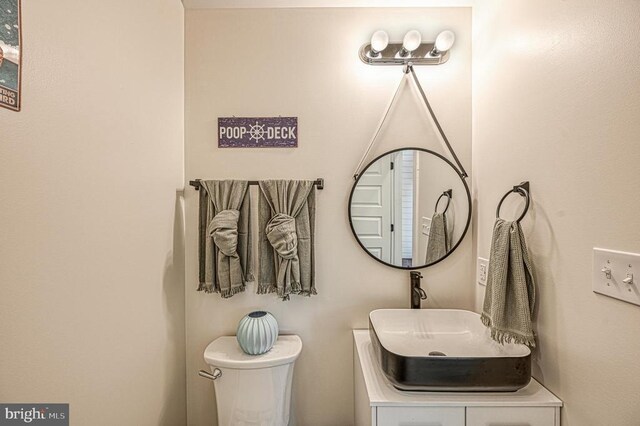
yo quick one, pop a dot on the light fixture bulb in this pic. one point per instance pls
(379, 42)
(410, 42)
(444, 41)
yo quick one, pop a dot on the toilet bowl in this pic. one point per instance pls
(253, 390)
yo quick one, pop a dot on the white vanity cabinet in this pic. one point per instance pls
(378, 403)
(423, 416)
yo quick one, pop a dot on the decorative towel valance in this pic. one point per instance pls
(225, 254)
(286, 222)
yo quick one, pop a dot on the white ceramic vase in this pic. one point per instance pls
(257, 332)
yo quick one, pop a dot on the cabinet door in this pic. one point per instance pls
(420, 416)
(511, 416)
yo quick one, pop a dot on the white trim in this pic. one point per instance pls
(396, 209)
(277, 4)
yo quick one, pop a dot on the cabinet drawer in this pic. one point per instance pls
(511, 416)
(420, 416)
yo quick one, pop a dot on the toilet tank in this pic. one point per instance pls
(253, 390)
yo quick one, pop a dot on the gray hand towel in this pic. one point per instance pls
(510, 293)
(225, 242)
(438, 243)
(286, 224)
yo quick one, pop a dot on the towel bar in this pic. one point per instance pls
(319, 183)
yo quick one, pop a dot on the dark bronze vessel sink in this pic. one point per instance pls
(445, 350)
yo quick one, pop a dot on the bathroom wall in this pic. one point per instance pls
(304, 63)
(91, 260)
(556, 101)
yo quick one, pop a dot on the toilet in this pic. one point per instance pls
(253, 390)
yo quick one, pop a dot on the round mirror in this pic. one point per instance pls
(410, 208)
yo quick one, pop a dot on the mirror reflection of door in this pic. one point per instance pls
(371, 209)
(383, 208)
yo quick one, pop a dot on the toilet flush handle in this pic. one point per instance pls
(216, 374)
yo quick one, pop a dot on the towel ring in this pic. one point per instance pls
(448, 193)
(523, 190)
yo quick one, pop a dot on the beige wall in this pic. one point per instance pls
(304, 63)
(556, 102)
(91, 260)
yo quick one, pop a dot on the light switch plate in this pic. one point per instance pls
(610, 270)
(426, 225)
(483, 271)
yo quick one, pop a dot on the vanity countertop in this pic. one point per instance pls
(381, 393)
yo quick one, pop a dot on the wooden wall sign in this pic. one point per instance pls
(258, 132)
(10, 55)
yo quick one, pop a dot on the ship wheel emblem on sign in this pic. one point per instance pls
(257, 132)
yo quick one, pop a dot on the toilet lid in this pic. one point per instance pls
(226, 352)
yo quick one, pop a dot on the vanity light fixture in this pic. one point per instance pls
(381, 52)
